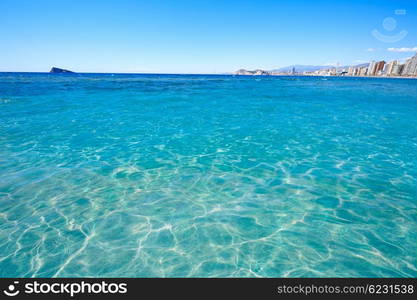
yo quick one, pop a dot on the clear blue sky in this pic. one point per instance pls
(184, 36)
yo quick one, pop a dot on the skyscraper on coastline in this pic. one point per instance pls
(410, 67)
(371, 68)
(390, 67)
(379, 67)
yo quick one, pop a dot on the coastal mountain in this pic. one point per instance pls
(308, 68)
(299, 69)
(288, 69)
(58, 70)
(361, 65)
(254, 72)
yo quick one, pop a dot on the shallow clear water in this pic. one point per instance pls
(147, 175)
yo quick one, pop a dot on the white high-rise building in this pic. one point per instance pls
(410, 67)
(371, 68)
(390, 67)
(406, 67)
(397, 70)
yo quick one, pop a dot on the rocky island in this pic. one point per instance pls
(58, 70)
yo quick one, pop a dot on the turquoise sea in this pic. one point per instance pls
(107, 175)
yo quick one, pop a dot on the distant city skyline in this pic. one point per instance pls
(184, 36)
(381, 68)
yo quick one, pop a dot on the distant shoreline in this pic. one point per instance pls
(333, 76)
(205, 74)
(326, 76)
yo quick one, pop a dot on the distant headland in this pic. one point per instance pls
(59, 70)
